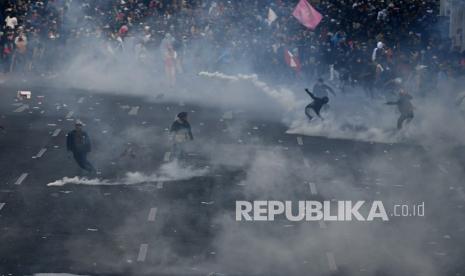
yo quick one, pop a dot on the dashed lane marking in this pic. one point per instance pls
(134, 110)
(152, 214)
(21, 108)
(69, 115)
(306, 163)
(56, 132)
(300, 141)
(41, 152)
(312, 188)
(167, 156)
(81, 100)
(142, 252)
(2, 205)
(21, 179)
(331, 261)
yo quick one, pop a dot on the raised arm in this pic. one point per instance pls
(310, 93)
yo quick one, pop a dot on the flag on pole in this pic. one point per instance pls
(292, 60)
(307, 15)
(271, 16)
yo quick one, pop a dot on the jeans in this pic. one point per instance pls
(81, 160)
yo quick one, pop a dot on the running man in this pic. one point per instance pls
(316, 105)
(405, 107)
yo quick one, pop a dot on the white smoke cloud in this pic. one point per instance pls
(172, 171)
(283, 96)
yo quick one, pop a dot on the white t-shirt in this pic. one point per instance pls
(11, 22)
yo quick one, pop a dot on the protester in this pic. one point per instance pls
(405, 107)
(78, 142)
(281, 41)
(316, 105)
(180, 134)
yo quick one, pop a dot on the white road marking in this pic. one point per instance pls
(331, 261)
(81, 100)
(134, 110)
(159, 185)
(306, 163)
(167, 156)
(322, 224)
(69, 115)
(142, 252)
(312, 188)
(300, 141)
(152, 214)
(41, 152)
(56, 132)
(21, 179)
(2, 205)
(21, 108)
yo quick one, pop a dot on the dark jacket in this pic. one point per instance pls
(404, 104)
(181, 128)
(78, 142)
(317, 103)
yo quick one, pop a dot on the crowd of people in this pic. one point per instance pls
(373, 44)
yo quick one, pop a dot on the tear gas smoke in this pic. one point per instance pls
(172, 171)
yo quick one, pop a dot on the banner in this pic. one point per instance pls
(307, 15)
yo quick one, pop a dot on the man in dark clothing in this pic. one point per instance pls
(181, 133)
(321, 89)
(78, 142)
(316, 105)
(405, 107)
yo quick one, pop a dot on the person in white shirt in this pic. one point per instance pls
(11, 22)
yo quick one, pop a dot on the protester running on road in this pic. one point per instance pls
(316, 105)
(405, 107)
(78, 142)
(180, 134)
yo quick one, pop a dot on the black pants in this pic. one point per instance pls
(81, 160)
(404, 117)
(309, 111)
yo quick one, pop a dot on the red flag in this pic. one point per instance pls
(292, 60)
(307, 15)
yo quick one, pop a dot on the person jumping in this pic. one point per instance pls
(316, 105)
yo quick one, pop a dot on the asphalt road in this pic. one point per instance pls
(186, 226)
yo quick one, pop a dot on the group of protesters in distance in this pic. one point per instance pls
(374, 45)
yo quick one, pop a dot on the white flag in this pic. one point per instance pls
(271, 16)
